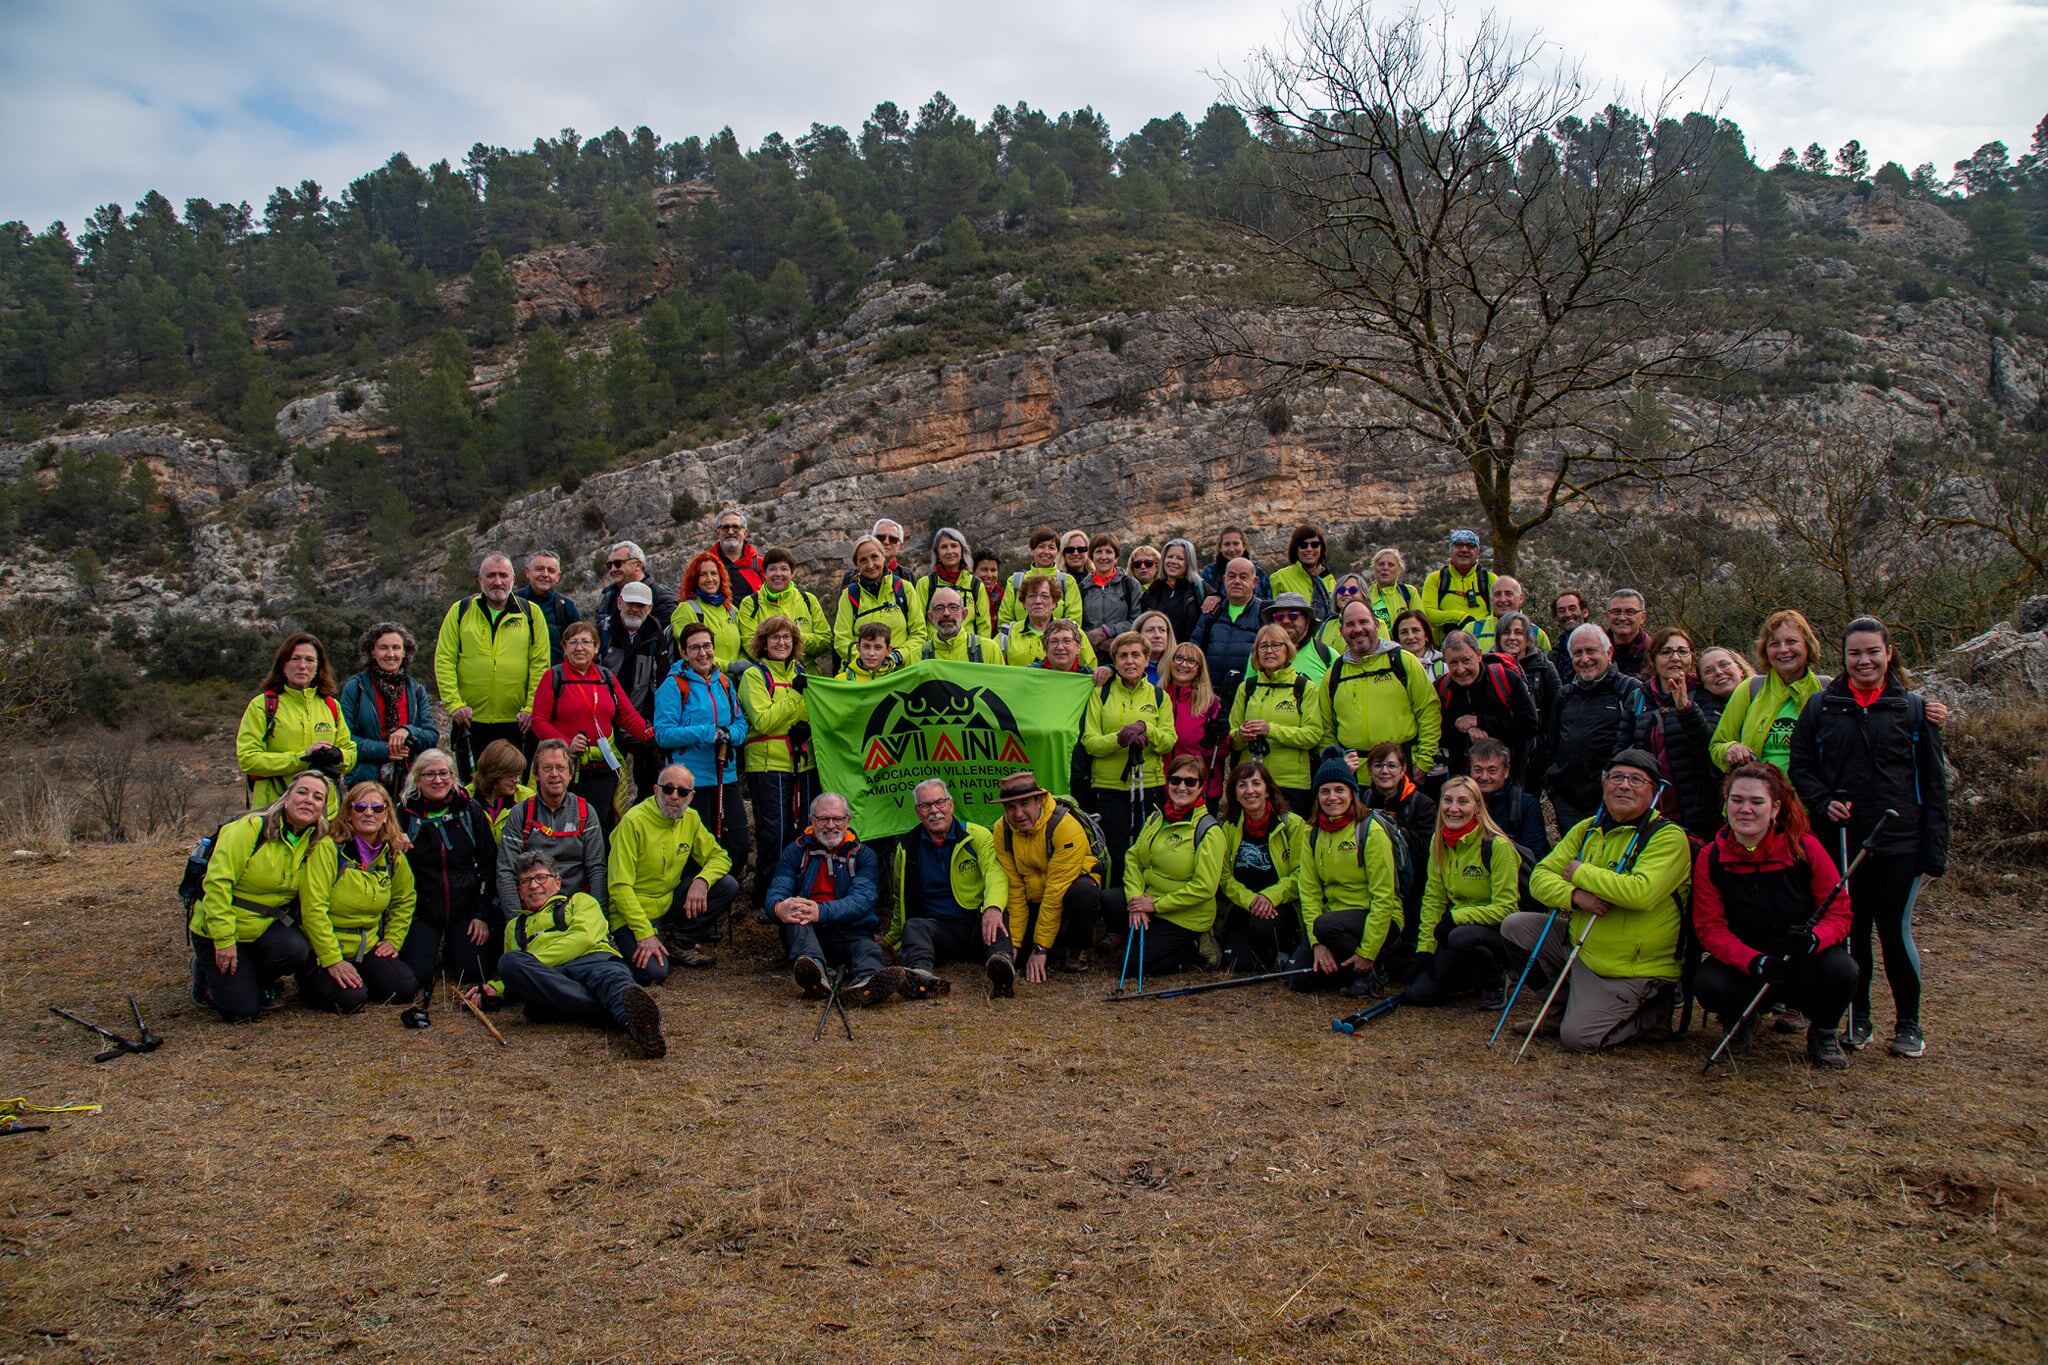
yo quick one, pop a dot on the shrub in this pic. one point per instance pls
(1277, 416)
(684, 508)
(1999, 802)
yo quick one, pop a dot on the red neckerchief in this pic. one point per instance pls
(1330, 826)
(1864, 699)
(1176, 814)
(1102, 579)
(1452, 833)
(1256, 829)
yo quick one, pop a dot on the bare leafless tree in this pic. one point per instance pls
(2004, 497)
(1487, 252)
(105, 770)
(29, 687)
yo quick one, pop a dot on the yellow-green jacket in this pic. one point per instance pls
(1067, 608)
(1639, 936)
(1451, 599)
(1386, 697)
(649, 854)
(1486, 634)
(1297, 711)
(493, 668)
(724, 621)
(1463, 884)
(566, 928)
(853, 672)
(1021, 646)
(966, 642)
(976, 873)
(247, 876)
(857, 607)
(772, 705)
(270, 751)
(1294, 578)
(1287, 845)
(1387, 603)
(1335, 876)
(1751, 709)
(1179, 864)
(1110, 708)
(799, 606)
(350, 908)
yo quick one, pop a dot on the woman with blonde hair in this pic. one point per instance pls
(1756, 724)
(1199, 725)
(357, 897)
(1473, 882)
(1278, 718)
(244, 921)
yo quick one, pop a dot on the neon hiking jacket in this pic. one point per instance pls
(689, 710)
(1638, 937)
(973, 870)
(1021, 646)
(1296, 710)
(1387, 697)
(1452, 600)
(1336, 876)
(773, 703)
(649, 855)
(966, 647)
(566, 928)
(724, 620)
(795, 605)
(1179, 864)
(1295, 578)
(896, 603)
(976, 616)
(1389, 602)
(1477, 880)
(370, 726)
(1112, 706)
(1040, 865)
(304, 718)
(246, 876)
(491, 665)
(1286, 845)
(348, 908)
(1751, 709)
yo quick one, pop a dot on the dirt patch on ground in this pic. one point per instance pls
(1214, 1177)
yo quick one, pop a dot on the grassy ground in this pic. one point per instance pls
(1209, 1178)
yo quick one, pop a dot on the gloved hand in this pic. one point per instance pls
(1132, 735)
(800, 734)
(1772, 967)
(326, 757)
(800, 681)
(1215, 730)
(722, 736)
(1805, 944)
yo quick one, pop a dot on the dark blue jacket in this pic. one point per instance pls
(855, 878)
(1227, 644)
(1520, 816)
(358, 703)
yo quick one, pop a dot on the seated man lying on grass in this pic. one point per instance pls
(560, 963)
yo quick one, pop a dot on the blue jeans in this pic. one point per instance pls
(854, 950)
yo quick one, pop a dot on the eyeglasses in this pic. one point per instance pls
(1144, 563)
(1627, 780)
(1675, 652)
(1183, 781)
(368, 807)
(730, 530)
(938, 804)
(433, 775)
(538, 879)
(674, 789)
(820, 821)
(1287, 614)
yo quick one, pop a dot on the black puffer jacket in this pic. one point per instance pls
(1884, 757)
(454, 860)
(1182, 603)
(1687, 764)
(1511, 719)
(1593, 721)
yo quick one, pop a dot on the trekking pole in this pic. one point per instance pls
(1521, 980)
(1141, 953)
(1564, 973)
(1125, 970)
(833, 1002)
(1229, 984)
(1378, 1009)
(1862, 852)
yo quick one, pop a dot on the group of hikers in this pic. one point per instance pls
(1343, 775)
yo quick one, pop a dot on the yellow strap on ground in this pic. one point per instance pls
(21, 1105)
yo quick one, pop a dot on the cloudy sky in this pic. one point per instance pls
(223, 99)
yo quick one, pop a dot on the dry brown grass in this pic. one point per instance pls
(1216, 1177)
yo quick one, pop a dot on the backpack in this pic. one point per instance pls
(192, 885)
(1158, 693)
(524, 935)
(1525, 856)
(1098, 847)
(1059, 585)
(853, 599)
(1404, 859)
(1494, 668)
(558, 680)
(1482, 576)
(1252, 683)
(973, 646)
(1395, 664)
(532, 803)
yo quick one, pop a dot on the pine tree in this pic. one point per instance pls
(493, 300)
(1814, 161)
(307, 287)
(1851, 161)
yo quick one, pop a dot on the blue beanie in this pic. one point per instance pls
(1336, 770)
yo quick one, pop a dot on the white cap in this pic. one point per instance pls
(637, 592)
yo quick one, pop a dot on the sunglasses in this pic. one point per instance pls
(368, 807)
(1143, 563)
(617, 563)
(1286, 614)
(674, 789)
(1183, 781)
(1311, 545)
(890, 540)
(1348, 590)
(1077, 549)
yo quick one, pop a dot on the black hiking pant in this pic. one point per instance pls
(1820, 988)
(928, 941)
(1880, 896)
(278, 952)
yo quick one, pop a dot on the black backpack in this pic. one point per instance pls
(1525, 857)
(1404, 858)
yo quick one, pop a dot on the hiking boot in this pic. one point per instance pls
(874, 989)
(1364, 985)
(1824, 1048)
(1741, 1035)
(273, 996)
(1785, 1019)
(696, 955)
(1206, 949)
(1493, 996)
(643, 1022)
(810, 978)
(1856, 1034)
(1002, 976)
(1078, 961)
(919, 984)
(1907, 1040)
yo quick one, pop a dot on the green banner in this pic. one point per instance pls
(969, 724)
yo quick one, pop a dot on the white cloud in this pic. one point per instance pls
(125, 97)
